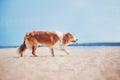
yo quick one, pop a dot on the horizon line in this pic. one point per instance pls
(74, 44)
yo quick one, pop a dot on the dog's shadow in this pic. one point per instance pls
(16, 57)
(45, 56)
(32, 56)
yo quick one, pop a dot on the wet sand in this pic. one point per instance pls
(83, 63)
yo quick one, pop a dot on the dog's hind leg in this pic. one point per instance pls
(33, 51)
(52, 51)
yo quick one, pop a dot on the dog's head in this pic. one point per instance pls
(68, 37)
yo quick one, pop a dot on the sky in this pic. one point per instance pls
(87, 20)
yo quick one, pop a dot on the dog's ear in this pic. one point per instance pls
(65, 38)
(67, 34)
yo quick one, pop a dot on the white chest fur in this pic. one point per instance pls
(58, 45)
(60, 35)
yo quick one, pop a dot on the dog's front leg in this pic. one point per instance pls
(66, 51)
(52, 51)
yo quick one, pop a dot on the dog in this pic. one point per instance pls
(47, 38)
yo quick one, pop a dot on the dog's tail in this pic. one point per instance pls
(22, 48)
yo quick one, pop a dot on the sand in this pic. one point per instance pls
(83, 63)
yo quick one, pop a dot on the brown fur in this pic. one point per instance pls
(42, 37)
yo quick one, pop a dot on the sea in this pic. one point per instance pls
(79, 44)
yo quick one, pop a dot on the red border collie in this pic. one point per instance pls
(52, 39)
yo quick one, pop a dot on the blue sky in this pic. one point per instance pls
(88, 20)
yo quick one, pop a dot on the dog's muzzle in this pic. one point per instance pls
(75, 40)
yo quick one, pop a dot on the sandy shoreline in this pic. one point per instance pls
(84, 63)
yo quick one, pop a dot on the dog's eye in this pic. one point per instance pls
(70, 36)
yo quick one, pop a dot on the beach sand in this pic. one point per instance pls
(83, 63)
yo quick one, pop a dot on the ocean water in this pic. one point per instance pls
(79, 44)
(97, 44)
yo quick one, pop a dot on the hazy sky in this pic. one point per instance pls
(88, 20)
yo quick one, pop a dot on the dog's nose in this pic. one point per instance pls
(76, 39)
